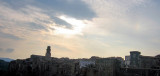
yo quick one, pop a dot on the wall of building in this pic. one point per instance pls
(42, 66)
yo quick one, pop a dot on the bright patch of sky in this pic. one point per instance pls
(77, 26)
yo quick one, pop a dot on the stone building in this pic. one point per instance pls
(139, 65)
(134, 65)
(135, 60)
(86, 62)
(127, 61)
(38, 65)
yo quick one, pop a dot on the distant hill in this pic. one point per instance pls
(3, 65)
(4, 68)
(6, 59)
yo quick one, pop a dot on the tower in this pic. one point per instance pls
(135, 59)
(48, 51)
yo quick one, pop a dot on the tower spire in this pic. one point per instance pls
(48, 51)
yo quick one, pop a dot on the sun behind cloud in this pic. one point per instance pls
(77, 26)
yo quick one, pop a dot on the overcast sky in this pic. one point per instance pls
(79, 28)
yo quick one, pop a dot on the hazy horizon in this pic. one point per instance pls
(79, 28)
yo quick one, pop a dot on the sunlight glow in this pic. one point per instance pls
(77, 26)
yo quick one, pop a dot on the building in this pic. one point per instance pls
(86, 62)
(127, 61)
(135, 65)
(48, 51)
(136, 60)
(46, 65)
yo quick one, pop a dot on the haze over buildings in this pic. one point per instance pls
(79, 28)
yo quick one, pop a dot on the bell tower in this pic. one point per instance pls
(48, 51)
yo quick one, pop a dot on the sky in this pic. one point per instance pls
(79, 28)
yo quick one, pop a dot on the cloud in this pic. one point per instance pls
(122, 17)
(74, 8)
(130, 24)
(94, 27)
(9, 36)
(61, 48)
(43, 13)
(8, 50)
(23, 16)
(61, 22)
(1, 49)
(23, 22)
(36, 27)
(31, 18)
